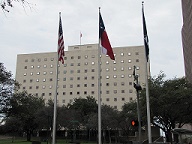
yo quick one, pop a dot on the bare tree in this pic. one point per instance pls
(6, 4)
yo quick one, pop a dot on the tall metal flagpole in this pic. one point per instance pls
(55, 98)
(146, 78)
(148, 106)
(99, 91)
(80, 37)
(138, 88)
(55, 104)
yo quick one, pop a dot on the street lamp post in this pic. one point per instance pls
(138, 87)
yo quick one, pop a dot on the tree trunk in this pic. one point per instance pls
(28, 135)
(168, 136)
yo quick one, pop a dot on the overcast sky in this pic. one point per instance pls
(34, 29)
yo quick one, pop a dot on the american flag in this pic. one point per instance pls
(61, 52)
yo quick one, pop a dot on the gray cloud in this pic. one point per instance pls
(34, 29)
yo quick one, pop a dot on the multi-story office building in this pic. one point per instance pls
(78, 77)
(187, 37)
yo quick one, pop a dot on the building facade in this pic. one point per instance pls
(78, 77)
(187, 37)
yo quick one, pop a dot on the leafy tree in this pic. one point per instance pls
(44, 117)
(84, 107)
(12, 126)
(109, 118)
(7, 86)
(128, 113)
(109, 121)
(23, 107)
(170, 103)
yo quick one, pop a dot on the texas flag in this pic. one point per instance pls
(104, 41)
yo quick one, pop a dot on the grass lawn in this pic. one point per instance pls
(23, 141)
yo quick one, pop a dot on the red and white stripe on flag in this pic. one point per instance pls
(61, 52)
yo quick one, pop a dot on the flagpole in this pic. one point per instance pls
(55, 98)
(99, 92)
(148, 106)
(147, 87)
(80, 37)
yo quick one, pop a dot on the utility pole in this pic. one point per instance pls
(138, 87)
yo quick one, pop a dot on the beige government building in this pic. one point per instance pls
(78, 77)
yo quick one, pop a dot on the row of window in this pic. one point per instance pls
(79, 71)
(86, 70)
(78, 57)
(78, 85)
(78, 64)
(107, 99)
(80, 78)
(71, 100)
(85, 93)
